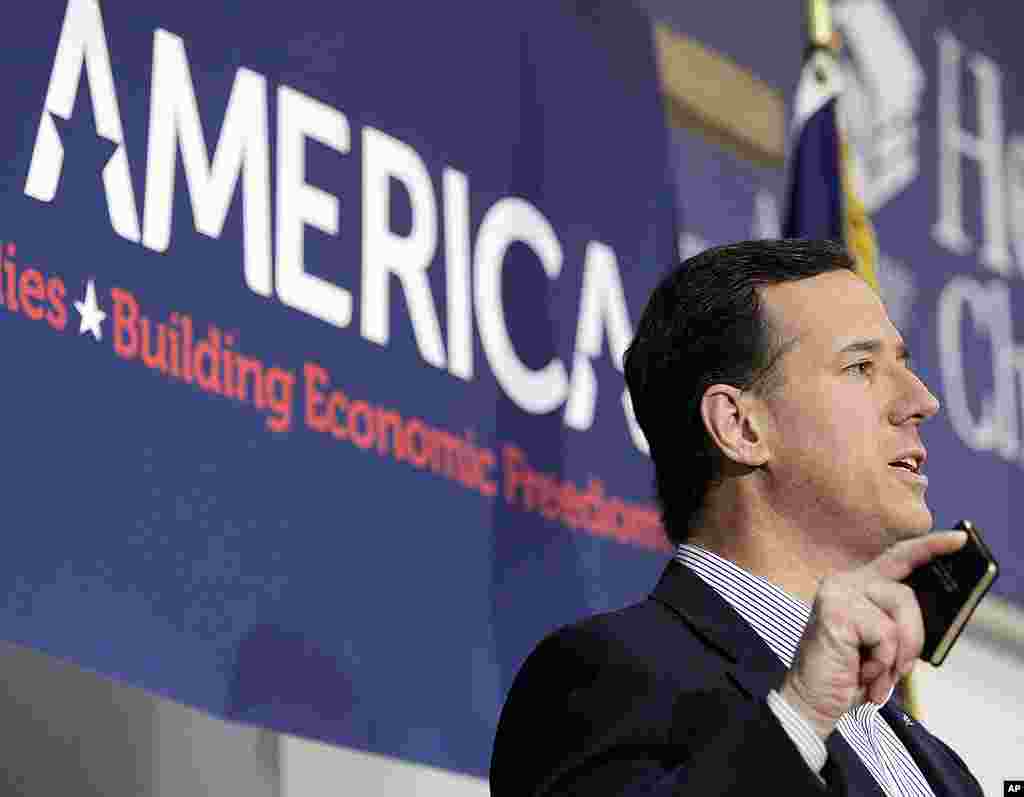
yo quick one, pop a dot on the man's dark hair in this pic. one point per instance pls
(705, 324)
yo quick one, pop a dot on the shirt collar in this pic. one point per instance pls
(775, 615)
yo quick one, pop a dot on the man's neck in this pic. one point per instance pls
(767, 545)
(740, 525)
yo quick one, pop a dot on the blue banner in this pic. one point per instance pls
(314, 321)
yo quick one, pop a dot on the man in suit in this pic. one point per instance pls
(783, 420)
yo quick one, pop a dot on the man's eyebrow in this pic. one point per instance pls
(873, 346)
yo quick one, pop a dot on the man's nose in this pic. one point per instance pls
(918, 403)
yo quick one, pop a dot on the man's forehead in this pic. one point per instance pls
(828, 312)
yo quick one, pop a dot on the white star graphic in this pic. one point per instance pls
(91, 314)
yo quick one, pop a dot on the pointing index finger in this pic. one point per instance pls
(905, 556)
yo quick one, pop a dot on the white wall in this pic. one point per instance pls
(310, 769)
(69, 733)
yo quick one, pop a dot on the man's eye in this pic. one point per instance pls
(863, 367)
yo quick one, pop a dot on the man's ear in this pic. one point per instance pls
(735, 422)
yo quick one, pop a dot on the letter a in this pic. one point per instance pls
(83, 43)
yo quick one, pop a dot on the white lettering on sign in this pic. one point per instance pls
(995, 425)
(984, 148)
(275, 218)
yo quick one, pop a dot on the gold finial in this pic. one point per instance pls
(819, 23)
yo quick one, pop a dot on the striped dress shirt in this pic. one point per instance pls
(779, 619)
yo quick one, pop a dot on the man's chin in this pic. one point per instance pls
(914, 524)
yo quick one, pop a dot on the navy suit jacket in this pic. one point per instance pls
(668, 697)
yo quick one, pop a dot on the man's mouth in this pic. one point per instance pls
(910, 464)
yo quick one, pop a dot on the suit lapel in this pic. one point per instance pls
(754, 667)
(948, 777)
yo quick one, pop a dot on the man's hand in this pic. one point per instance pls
(865, 632)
